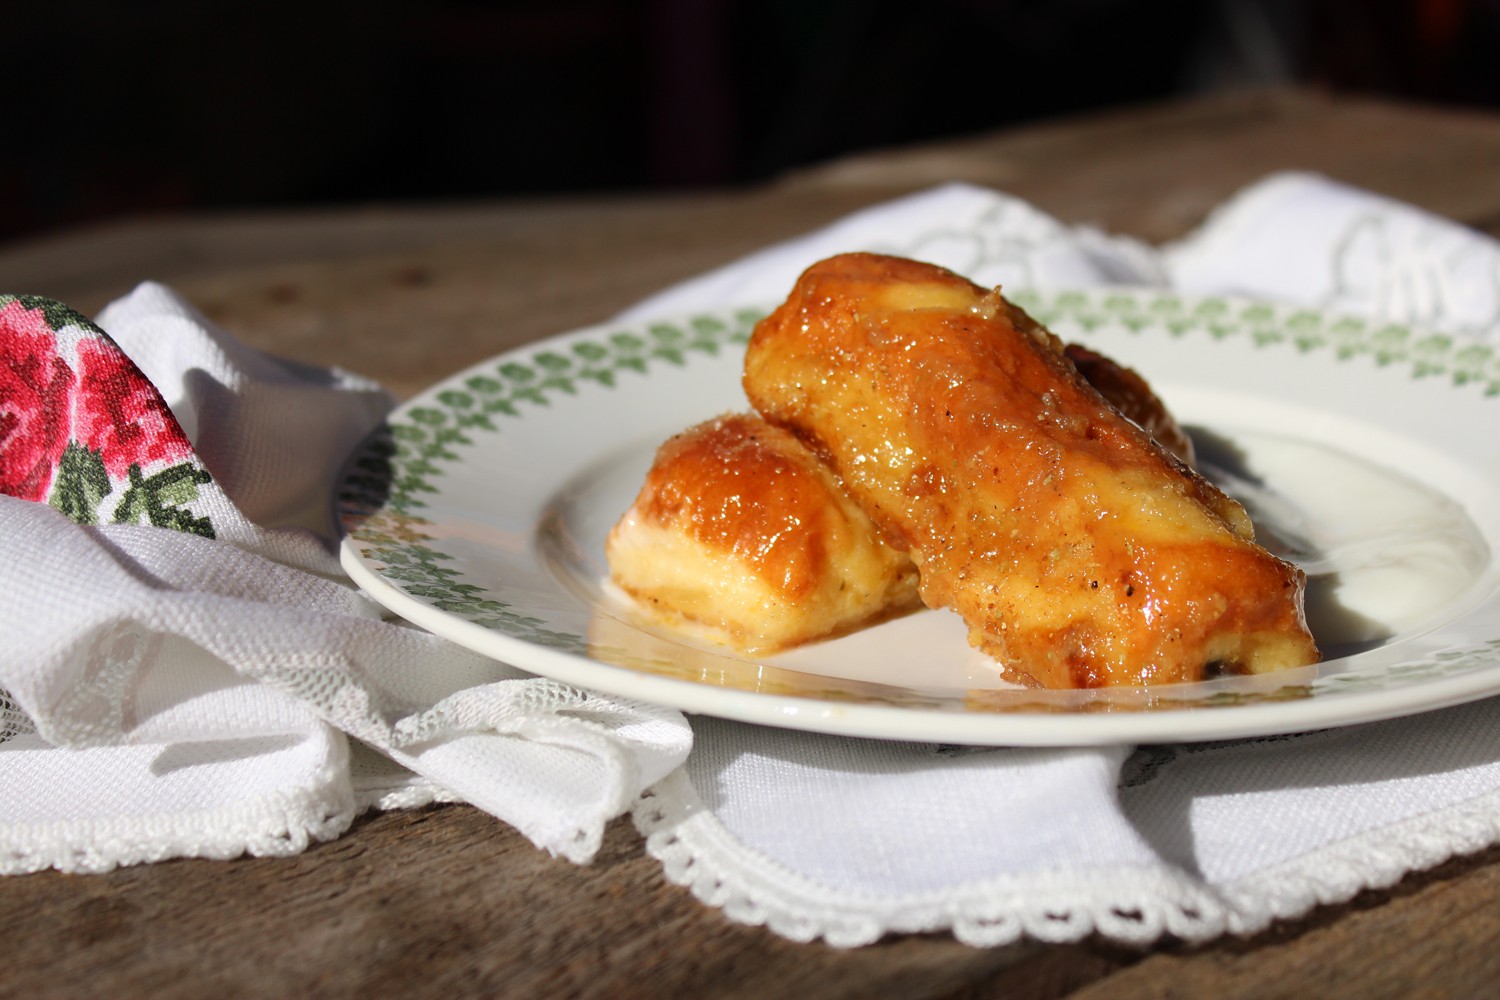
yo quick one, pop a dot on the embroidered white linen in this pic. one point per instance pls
(846, 840)
(176, 695)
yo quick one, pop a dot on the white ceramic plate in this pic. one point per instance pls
(1367, 452)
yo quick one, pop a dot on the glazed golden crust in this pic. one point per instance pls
(1127, 392)
(1079, 552)
(742, 530)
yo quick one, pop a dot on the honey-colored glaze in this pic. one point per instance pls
(742, 530)
(1127, 392)
(1079, 552)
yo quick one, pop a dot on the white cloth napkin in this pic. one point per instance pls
(847, 840)
(171, 694)
(1294, 238)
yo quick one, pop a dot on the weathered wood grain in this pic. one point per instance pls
(445, 902)
(1432, 936)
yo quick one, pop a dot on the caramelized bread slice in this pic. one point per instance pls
(1079, 551)
(742, 530)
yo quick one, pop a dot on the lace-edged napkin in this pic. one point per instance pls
(847, 840)
(186, 670)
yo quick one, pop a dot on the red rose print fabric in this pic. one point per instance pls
(34, 391)
(82, 429)
(120, 415)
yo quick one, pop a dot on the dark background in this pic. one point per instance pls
(121, 107)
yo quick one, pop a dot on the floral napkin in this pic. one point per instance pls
(186, 672)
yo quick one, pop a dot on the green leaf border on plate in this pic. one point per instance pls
(382, 496)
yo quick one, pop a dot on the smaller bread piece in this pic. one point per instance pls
(743, 531)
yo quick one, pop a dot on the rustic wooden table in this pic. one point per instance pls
(447, 901)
